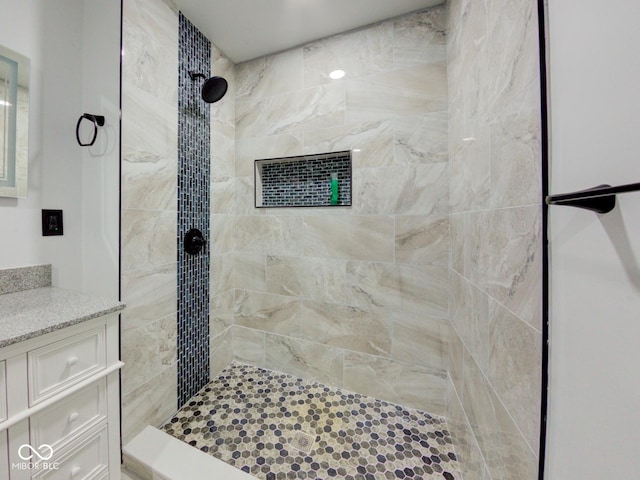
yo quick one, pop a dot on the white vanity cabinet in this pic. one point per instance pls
(59, 404)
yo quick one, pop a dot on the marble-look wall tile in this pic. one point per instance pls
(512, 51)
(418, 289)
(422, 240)
(275, 146)
(304, 359)
(148, 239)
(251, 120)
(515, 147)
(468, 452)
(402, 190)
(456, 363)
(308, 109)
(267, 312)
(151, 403)
(457, 236)
(514, 369)
(149, 151)
(223, 158)
(422, 139)
(410, 91)
(221, 313)
(221, 274)
(420, 339)
(149, 295)
(222, 196)
(510, 263)
(420, 38)
(150, 36)
(248, 345)
(149, 212)
(221, 352)
(470, 172)
(494, 142)
(502, 445)
(314, 278)
(405, 384)
(221, 234)
(148, 350)
(244, 195)
(469, 314)
(250, 271)
(268, 76)
(349, 237)
(223, 115)
(350, 328)
(361, 52)
(390, 112)
(270, 234)
(372, 142)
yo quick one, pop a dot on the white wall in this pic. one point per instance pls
(594, 423)
(101, 162)
(51, 34)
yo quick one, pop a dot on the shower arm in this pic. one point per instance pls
(195, 75)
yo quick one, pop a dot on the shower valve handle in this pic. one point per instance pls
(194, 241)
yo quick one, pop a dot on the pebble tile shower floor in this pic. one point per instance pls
(277, 426)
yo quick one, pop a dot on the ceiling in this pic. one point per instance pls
(248, 29)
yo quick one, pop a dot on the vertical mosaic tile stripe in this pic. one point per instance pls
(193, 212)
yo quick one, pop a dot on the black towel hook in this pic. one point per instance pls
(97, 120)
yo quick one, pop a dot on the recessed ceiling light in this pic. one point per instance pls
(5, 104)
(336, 74)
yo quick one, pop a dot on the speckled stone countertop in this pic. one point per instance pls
(31, 313)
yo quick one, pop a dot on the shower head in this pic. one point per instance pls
(213, 88)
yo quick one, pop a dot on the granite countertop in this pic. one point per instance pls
(30, 313)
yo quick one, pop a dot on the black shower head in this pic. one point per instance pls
(213, 88)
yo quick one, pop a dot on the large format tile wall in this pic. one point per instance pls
(354, 297)
(150, 216)
(149, 213)
(495, 178)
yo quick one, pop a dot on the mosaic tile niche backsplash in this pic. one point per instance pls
(193, 212)
(304, 181)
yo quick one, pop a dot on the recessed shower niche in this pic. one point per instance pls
(318, 180)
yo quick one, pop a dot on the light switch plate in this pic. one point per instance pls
(52, 223)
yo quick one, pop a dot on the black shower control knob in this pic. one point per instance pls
(194, 241)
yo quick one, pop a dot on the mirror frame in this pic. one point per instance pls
(16, 126)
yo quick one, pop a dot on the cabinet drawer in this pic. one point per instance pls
(61, 364)
(58, 423)
(3, 391)
(87, 458)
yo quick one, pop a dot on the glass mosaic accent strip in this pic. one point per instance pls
(193, 212)
(303, 181)
(254, 419)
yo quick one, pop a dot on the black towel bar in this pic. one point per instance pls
(97, 120)
(601, 199)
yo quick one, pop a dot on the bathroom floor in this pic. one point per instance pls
(277, 426)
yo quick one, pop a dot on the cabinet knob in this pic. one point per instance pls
(73, 417)
(72, 361)
(75, 471)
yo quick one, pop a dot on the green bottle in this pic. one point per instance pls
(334, 189)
